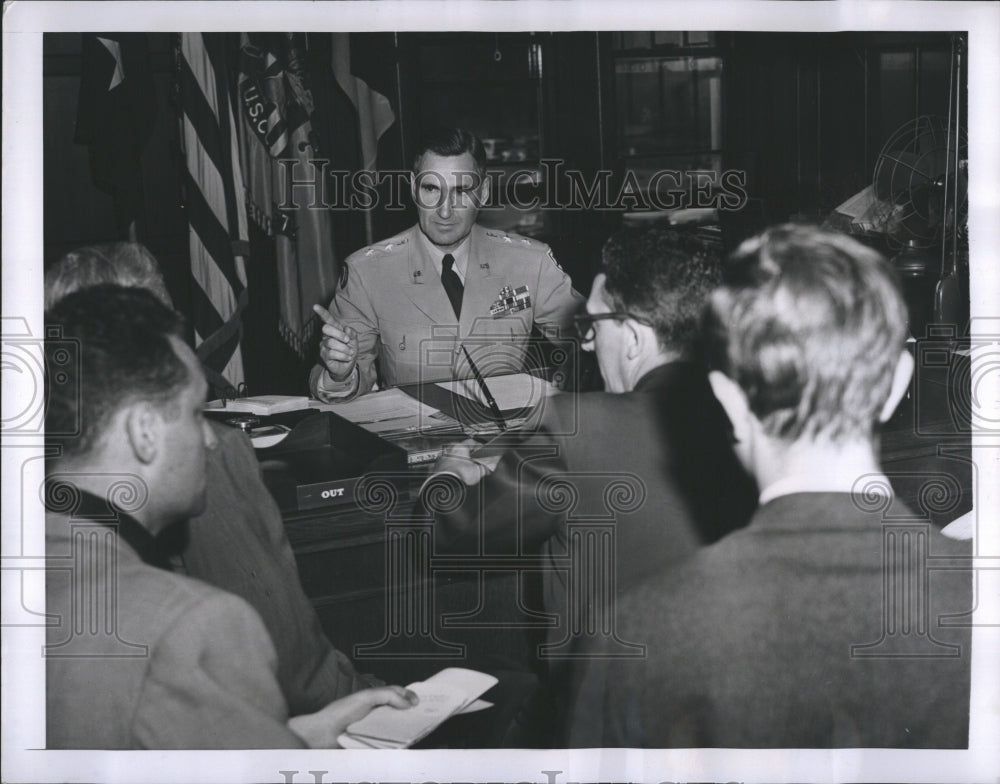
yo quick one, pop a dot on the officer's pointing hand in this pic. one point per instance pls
(338, 350)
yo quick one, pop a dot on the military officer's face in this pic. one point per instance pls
(448, 192)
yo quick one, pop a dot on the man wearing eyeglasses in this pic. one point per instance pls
(829, 621)
(656, 429)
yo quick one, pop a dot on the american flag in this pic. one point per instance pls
(218, 237)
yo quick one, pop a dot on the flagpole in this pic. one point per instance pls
(369, 233)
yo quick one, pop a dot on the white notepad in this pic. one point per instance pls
(453, 690)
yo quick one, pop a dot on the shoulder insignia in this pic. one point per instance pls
(498, 235)
(385, 247)
(510, 238)
(553, 259)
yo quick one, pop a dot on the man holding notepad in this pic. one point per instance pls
(407, 304)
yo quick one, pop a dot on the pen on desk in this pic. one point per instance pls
(486, 390)
(384, 419)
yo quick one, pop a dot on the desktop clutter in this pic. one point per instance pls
(314, 454)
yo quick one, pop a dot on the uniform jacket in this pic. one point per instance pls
(801, 630)
(654, 462)
(394, 299)
(140, 657)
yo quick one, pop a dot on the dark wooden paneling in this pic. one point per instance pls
(805, 115)
(578, 95)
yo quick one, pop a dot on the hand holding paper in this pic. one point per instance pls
(451, 691)
(321, 730)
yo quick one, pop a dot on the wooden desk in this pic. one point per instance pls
(343, 557)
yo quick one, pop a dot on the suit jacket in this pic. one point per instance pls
(655, 461)
(786, 634)
(140, 657)
(394, 299)
(239, 544)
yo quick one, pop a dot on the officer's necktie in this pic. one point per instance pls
(452, 284)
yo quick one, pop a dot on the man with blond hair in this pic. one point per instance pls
(802, 629)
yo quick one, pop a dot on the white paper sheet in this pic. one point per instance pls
(519, 390)
(388, 411)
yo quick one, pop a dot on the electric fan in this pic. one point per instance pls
(921, 201)
(920, 182)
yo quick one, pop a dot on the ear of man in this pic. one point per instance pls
(144, 426)
(484, 192)
(900, 385)
(637, 338)
(734, 402)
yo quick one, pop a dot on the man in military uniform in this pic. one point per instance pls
(411, 302)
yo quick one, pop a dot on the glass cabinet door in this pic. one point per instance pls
(668, 104)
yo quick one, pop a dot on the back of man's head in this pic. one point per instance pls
(450, 142)
(124, 263)
(810, 324)
(123, 352)
(664, 276)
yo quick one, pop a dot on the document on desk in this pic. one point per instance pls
(261, 405)
(519, 390)
(389, 411)
(453, 690)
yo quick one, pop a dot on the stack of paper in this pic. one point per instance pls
(389, 411)
(453, 690)
(262, 405)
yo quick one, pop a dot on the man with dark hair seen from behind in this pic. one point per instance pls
(407, 301)
(656, 430)
(141, 657)
(238, 542)
(800, 630)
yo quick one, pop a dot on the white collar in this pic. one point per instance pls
(460, 254)
(877, 483)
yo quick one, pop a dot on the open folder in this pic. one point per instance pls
(452, 691)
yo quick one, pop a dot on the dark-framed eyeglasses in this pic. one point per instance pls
(584, 323)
